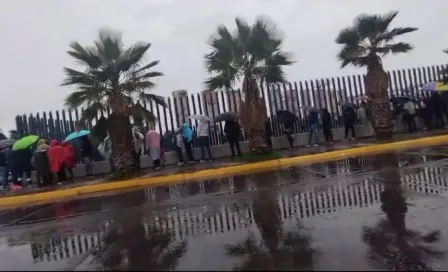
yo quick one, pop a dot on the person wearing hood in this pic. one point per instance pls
(41, 164)
(69, 158)
(56, 160)
(153, 145)
(232, 131)
(204, 139)
(187, 135)
(138, 139)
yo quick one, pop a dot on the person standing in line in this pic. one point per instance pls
(437, 105)
(87, 154)
(187, 134)
(326, 126)
(3, 170)
(11, 161)
(268, 132)
(178, 145)
(41, 163)
(288, 129)
(204, 140)
(409, 115)
(138, 139)
(24, 157)
(69, 159)
(425, 114)
(153, 145)
(349, 122)
(232, 131)
(56, 161)
(313, 121)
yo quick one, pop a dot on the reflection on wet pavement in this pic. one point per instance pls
(376, 213)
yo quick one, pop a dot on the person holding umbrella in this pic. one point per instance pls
(69, 158)
(23, 155)
(313, 121)
(56, 161)
(232, 131)
(409, 115)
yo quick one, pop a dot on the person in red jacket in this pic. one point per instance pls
(56, 159)
(69, 158)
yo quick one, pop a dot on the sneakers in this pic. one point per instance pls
(180, 163)
(315, 145)
(202, 161)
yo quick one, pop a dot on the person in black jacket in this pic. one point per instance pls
(326, 126)
(349, 121)
(268, 132)
(232, 131)
(437, 105)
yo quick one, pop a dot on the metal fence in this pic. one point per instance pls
(293, 96)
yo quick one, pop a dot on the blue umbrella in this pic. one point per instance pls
(77, 134)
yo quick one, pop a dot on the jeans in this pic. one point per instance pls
(313, 137)
(349, 126)
(4, 171)
(234, 143)
(88, 165)
(189, 151)
(205, 144)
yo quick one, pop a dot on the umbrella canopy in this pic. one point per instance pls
(25, 142)
(285, 116)
(77, 134)
(401, 99)
(435, 86)
(310, 108)
(226, 116)
(6, 143)
(200, 117)
(348, 104)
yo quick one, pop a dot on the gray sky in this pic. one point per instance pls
(36, 34)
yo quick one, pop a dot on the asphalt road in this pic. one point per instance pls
(381, 212)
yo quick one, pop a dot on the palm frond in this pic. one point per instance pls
(243, 31)
(146, 67)
(152, 98)
(86, 56)
(392, 34)
(74, 77)
(348, 36)
(109, 45)
(139, 112)
(92, 111)
(132, 56)
(219, 81)
(395, 48)
(386, 20)
(79, 98)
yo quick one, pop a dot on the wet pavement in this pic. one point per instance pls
(371, 213)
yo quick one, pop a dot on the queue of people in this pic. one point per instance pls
(53, 163)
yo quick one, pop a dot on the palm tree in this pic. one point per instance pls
(278, 249)
(392, 246)
(113, 77)
(253, 53)
(364, 43)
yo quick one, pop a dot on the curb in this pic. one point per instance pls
(262, 166)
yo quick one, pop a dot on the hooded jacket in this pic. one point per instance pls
(187, 133)
(55, 156)
(69, 154)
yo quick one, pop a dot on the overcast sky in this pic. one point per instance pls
(35, 36)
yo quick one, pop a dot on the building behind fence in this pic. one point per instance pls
(293, 96)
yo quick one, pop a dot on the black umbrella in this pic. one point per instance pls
(6, 143)
(226, 116)
(285, 116)
(401, 99)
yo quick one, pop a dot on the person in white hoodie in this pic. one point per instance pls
(204, 139)
(138, 144)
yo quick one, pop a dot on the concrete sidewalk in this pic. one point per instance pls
(211, 168)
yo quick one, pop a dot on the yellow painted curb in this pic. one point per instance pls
(225, 171)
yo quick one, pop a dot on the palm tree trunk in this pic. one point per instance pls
(376, 83)
(253, 116)
(121, 141)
